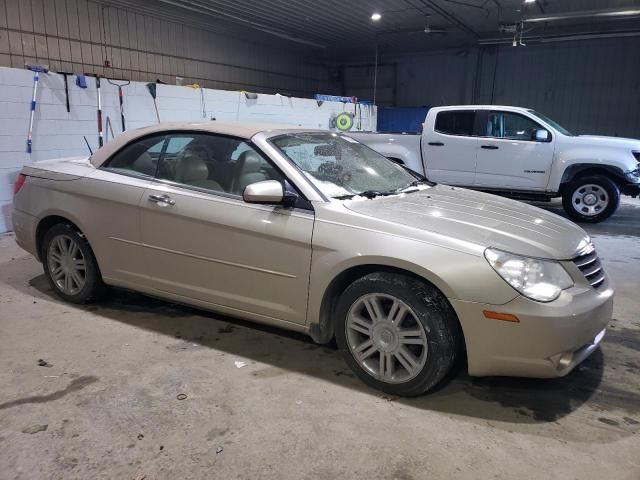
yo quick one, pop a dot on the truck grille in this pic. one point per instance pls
(589, 265)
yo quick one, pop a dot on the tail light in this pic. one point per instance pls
(19, 183)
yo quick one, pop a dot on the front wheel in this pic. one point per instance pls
(591, 199)
(397, 333)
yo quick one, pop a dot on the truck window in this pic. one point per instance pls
(459, 122)
(512, 126)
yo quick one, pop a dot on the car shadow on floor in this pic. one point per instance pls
(276, 352)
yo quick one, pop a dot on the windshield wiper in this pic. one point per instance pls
(367, 193)
(415, 183)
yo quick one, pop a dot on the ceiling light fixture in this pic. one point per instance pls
(376, 16)
(529, 1)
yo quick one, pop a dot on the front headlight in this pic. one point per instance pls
(540, 280)
(633, 176)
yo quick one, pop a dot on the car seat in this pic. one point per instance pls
(249, 171)
(192, 170)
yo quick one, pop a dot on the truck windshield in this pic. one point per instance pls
(341, 167)
(553, 123)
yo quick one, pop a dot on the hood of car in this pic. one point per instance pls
(613, 142)
(480, 218)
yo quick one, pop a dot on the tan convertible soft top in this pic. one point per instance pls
(237, 129)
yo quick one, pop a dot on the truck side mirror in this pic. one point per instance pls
(543, 135)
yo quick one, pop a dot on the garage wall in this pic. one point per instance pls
(360, 80)
(590, 86)
(58, 133)
(77, 36)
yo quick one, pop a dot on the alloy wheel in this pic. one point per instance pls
(386, 338)
(67, 264)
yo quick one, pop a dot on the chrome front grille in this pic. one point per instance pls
(590, 266)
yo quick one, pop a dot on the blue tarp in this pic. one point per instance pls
(401, 119)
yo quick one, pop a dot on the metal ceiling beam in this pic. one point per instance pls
(237, 19)
(262, 11)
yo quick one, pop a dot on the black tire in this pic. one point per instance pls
(430, 308)
(577, 210)
(94, 288)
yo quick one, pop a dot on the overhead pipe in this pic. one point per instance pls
(590, 14)
(561, 38)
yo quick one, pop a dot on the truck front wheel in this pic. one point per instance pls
(591, 199)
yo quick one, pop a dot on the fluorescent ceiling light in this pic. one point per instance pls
(375, 16)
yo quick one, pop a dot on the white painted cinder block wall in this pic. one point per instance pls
(58, 133)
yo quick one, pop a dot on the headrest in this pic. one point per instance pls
(193, 168)
(145, 164)
(250, 161)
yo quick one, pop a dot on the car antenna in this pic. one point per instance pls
(88, 146)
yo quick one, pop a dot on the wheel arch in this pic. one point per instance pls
(586, 169)
(322, 331)
(46, 223)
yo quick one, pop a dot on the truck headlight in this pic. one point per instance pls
(633, 175)
(540, 280)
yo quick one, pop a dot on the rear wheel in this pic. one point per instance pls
(397, 333)
(591, 199)
(70, 266)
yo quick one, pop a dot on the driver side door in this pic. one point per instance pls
(202, 241)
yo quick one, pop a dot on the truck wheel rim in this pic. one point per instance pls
(386, 338)
(66, 264)
(590, 199)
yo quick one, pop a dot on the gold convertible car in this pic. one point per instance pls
(312, 231)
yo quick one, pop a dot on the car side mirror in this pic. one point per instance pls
(267, 191)
(542, 135)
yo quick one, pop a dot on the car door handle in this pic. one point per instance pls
(166, 199)
(489, 147)
(436, 144)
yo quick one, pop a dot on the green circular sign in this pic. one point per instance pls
(344, 122)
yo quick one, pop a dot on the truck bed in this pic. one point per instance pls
(402, 147)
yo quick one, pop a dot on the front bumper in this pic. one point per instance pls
(549, 340)
(631, 189)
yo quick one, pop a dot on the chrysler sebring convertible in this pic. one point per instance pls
(312, 231)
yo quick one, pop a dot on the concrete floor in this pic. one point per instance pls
(109, 398)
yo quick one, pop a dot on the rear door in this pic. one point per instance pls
(449, 147)
(509, 155)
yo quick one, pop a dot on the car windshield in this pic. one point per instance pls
(341, 167)
(553, 123)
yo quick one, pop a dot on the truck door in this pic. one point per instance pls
(509, 154)
(449, 147)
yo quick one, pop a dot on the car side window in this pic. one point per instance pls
(139, 158)
(216, 163)
(511, 126)
(456, 122)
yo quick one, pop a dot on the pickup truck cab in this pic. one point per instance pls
(520, 153)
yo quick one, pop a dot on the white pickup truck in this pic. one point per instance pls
(519, 153)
